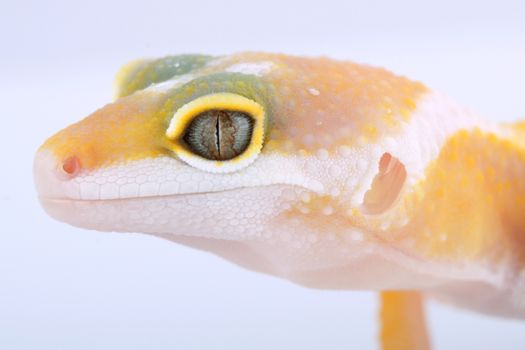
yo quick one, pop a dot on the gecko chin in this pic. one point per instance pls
(258, 235)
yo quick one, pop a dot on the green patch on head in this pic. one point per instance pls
(140, 74)
(249, 86)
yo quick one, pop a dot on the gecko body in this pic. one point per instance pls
(327, 173)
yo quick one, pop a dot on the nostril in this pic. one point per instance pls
(71, 166)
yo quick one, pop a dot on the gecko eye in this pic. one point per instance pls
(219, 133)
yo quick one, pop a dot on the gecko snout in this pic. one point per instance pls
(52, 174)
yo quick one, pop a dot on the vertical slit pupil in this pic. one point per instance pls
(218, 134)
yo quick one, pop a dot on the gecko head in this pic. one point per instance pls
(285, 165)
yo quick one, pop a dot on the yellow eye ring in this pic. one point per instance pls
(218, 101)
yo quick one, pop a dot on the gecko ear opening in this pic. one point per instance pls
(386, 186)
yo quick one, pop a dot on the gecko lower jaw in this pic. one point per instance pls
(201, 221)
(193, 214)
(182, 220)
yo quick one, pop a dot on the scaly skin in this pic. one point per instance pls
(354, 178)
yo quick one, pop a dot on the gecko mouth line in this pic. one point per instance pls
(166, 196)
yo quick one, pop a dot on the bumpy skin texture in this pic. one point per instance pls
(364, 179)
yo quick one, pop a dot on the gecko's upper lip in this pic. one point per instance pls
(53, 183)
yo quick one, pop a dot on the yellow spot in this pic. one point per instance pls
(472, 202)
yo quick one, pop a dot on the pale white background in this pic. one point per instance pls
(67, 288)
